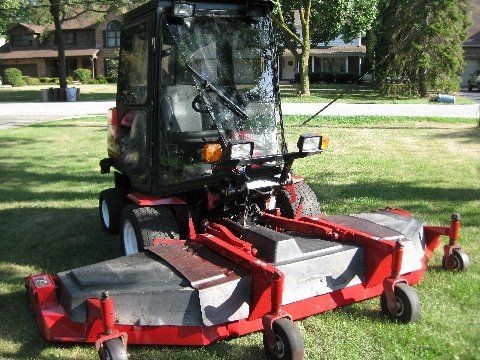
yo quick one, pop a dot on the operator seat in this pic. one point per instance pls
(177, 110)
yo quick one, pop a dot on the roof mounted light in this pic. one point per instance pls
(183, 9)
(259, 8)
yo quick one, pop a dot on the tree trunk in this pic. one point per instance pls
(422, 82)
(62, 62)
(304, 79)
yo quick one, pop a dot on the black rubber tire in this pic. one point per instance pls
(115, 200)
(408, 301)
(289, 340)
(458, 261)
(113, 349)
(148, 224)
(310, 206)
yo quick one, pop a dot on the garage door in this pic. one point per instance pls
(26, 69)
(470, 67)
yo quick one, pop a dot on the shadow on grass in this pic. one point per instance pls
(471, 135)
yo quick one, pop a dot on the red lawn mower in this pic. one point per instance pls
(198, 148)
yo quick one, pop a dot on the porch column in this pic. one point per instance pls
(346, 65)
(92, 60)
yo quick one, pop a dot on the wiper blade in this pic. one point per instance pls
(208, 85)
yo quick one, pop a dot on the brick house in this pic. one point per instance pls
(471, 47)
(89, 43)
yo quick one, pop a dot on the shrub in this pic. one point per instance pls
(13, 76)
(91, 82)
(44, 80)
(31, 80)
(69, 80)
(102, 80)
(83, 75)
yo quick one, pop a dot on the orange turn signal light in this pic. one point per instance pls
(212, 152)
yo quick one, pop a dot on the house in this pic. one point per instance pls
(93, 43)
(89, 43)
(336, 57)
(471, 47)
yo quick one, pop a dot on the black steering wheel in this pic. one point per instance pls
(198, 104)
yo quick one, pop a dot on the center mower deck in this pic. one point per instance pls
(186, 284)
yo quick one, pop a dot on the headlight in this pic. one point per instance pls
(312, 143)
(241, 150)
(183, 9)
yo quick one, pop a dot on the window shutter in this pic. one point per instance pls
(104, 39)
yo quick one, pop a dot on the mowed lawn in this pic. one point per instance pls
(354, 94)
(50, 179)
(32, 93)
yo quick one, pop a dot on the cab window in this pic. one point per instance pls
(133, 71)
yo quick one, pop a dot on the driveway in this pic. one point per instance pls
(472, 95)
(21, 114)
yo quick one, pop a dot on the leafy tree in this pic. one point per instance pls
(421, 41)
(10, 14)
(321, 21)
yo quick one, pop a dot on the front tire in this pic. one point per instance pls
(110, 206)
(288, 207)
(408, 304)
(113, 349)
(140, 225)
(289, 345)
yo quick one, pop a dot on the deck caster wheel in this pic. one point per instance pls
(113, 349)
(289, 342)
(457, 261)
(110, 205)
(408, 304)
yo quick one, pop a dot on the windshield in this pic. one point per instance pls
(232, 61)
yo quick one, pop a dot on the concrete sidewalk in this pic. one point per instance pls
(415, 110)
(21, 114)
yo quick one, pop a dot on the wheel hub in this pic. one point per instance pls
(105, 214)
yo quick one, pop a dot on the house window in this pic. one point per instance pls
(69, 38)
(22, 40)
(112, 35)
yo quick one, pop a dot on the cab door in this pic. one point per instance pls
(134, 101)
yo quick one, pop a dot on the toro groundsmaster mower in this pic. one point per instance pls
(198, 148)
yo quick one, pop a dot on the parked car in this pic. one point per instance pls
(474, 81)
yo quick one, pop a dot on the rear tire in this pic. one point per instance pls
(113, 349)
(310, 206)
(140, 225)
(110, 205)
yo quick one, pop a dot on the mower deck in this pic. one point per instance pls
(200, 291)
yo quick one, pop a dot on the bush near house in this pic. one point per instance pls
(83, 75)
(13, 77)
(31, 80)
(340, 78)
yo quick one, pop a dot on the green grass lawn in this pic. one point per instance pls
(50, 179)
(32, 93)
(357, 94)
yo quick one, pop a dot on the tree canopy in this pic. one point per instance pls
(421, 42)
(303, 24)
